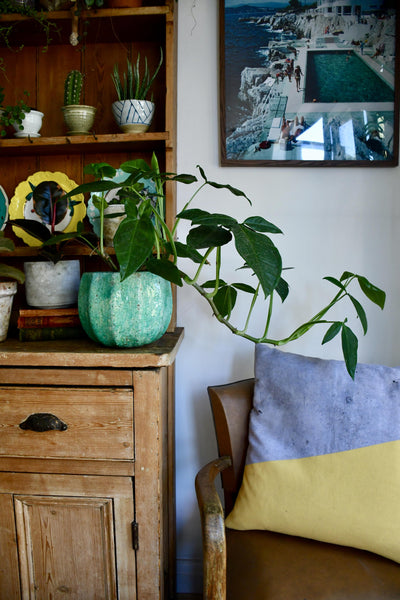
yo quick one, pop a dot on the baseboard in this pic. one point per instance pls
(189, 578)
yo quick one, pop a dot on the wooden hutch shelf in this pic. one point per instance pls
(87, 511)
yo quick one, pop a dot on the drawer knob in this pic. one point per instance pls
(43, 422)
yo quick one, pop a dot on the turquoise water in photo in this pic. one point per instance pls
(342, 76)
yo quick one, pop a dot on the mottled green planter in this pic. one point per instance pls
(126, 314)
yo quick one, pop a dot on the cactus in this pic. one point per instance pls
(73, 88)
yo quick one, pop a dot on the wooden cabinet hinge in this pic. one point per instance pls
(135, 535)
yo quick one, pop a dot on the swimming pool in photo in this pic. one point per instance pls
(343, 76)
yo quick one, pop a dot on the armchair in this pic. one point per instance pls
(252, 565)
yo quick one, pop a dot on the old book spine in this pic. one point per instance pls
(50, 333)
(48, 321)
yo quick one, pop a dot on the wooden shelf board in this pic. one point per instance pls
(79, 143)
(100, 13)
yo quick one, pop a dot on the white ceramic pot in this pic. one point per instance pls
(31, 123)
(8, 289)
(79, 118)
(49, 285)
(111, 223)
(133, 116)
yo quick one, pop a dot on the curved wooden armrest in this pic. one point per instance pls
(213, 529)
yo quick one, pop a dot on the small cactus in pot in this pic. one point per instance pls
(73, 88)
(79, 118)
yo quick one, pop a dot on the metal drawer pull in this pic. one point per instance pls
(43, 422)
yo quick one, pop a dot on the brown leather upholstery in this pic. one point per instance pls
(265, 565)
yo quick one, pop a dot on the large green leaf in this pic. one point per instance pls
(261, 224)
(212, 282)
(183, 178)
(165, 269)
(6, 245)
(336, 282)
(202, 217)
(133, 243)
(332, 332)
(138, 164)
(100, 170)
(208, 236)
(94, 186)
(243, 287)
(35, 228)
(220, 186)
(12, 273)
(184, 251)
(282, 289)
(349, 347)
(373, 293)
(225, 300)
(361, 313)
(260, 254)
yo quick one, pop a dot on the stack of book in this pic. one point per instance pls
(49, 324)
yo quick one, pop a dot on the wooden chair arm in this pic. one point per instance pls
(213, 529)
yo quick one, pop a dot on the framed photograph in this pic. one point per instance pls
(309, 83)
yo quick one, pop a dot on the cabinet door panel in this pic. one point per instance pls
(9, 578)
(66, 547)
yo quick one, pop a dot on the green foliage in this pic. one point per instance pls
(7, 272)
(73, 88)
(13, 114)
(133, 85)
(143, 241)
(7, 29)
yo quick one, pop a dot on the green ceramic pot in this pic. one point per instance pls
(128, 313)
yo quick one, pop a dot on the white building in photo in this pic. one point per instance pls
(349, 8)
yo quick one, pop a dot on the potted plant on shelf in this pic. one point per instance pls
(51, 282)
(8, 288)
(133, 112)
(25, 120)
(146, 247)
(79, 118)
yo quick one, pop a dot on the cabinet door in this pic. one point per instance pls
(72, 532)
(9, 577)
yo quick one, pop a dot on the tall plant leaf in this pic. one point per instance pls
(260, 254)
(133, 243)
(349, 348)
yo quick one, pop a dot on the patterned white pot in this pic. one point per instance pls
(133, 116)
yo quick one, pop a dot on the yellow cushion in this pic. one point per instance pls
(324, 453)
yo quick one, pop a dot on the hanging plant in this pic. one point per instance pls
(8, 7)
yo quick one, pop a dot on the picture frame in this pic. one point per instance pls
(341, 109)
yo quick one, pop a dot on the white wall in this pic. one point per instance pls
(333, 219)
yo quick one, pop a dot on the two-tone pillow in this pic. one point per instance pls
(323, 459)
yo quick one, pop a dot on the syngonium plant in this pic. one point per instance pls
(144, 241)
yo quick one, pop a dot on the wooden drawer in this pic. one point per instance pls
(99, 422)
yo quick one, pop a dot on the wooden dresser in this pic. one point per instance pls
(87, 506)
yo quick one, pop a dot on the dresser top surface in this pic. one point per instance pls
(85, 353)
